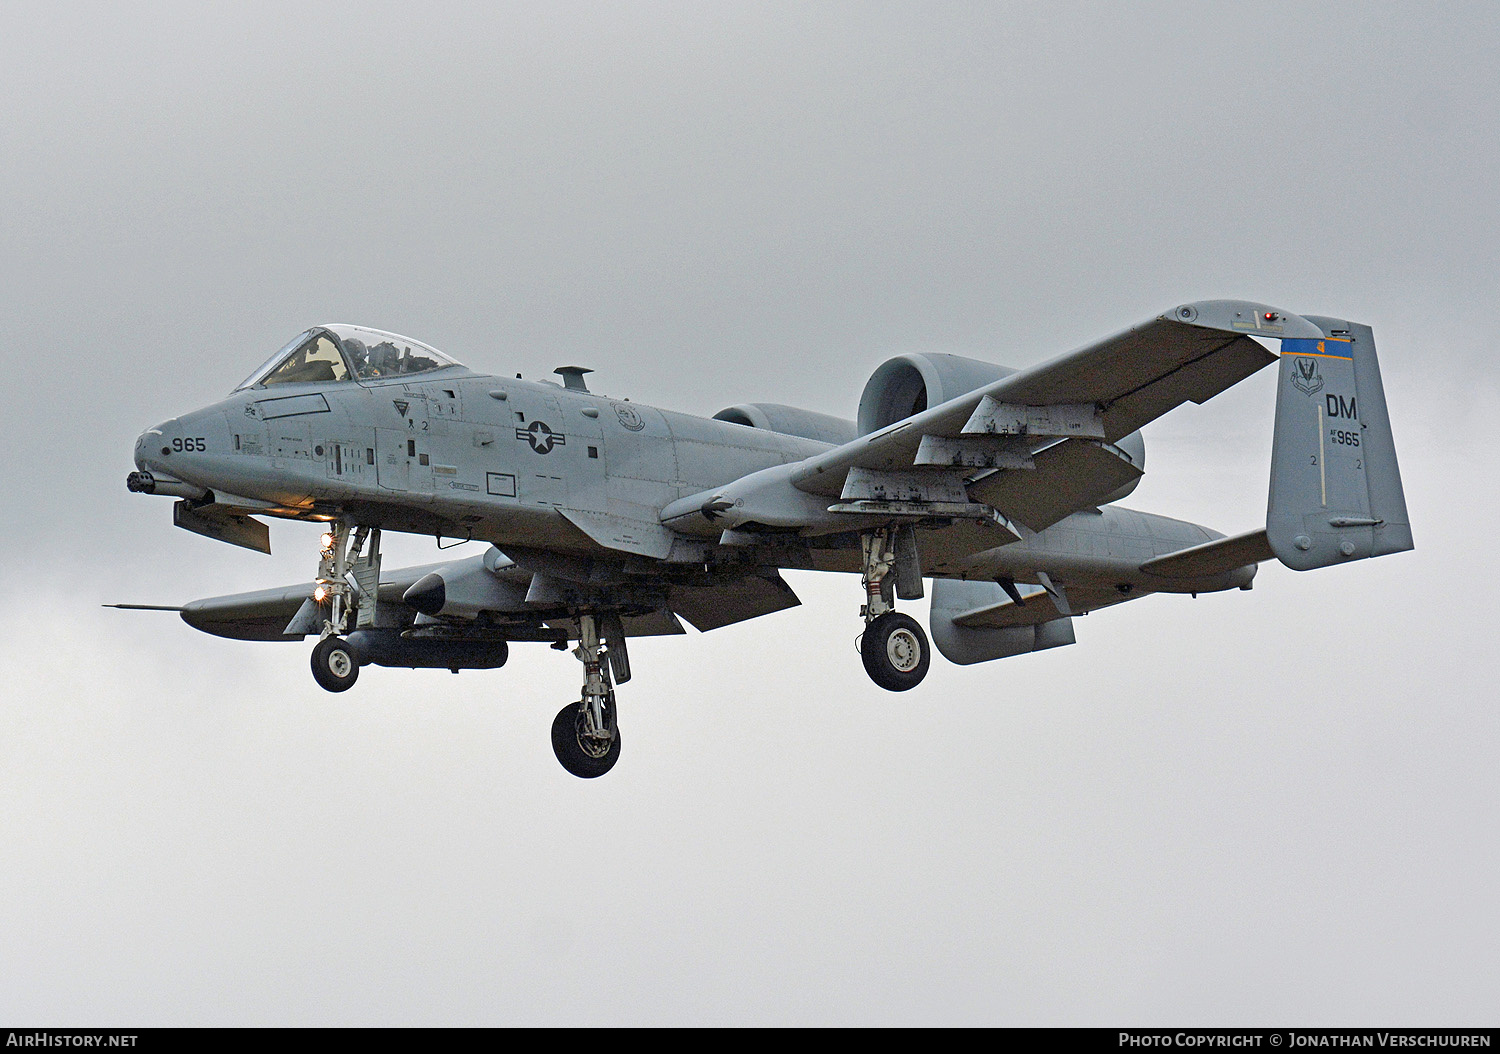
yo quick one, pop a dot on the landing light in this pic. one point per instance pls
(320, 594)
(327, 540)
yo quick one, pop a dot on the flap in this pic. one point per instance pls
(223, 525)
(711, 607)
(1072, 475)
(657, 623)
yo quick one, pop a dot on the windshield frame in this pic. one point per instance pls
(259, 373)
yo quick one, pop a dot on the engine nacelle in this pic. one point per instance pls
(966, 645)
(909, 384)
(1134, 446)
(788, 420)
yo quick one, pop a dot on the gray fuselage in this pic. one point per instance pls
(525, 464)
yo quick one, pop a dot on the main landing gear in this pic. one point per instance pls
(335, 666)
(894, 648)
(585, 734)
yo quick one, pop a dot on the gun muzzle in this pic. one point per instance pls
(146, 483)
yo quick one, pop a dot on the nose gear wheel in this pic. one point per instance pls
(334, 665)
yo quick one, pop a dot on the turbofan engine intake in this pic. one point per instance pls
(909, 384)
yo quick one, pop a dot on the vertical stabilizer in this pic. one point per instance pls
(1335, 486)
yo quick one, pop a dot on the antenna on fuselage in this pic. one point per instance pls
(573, 377)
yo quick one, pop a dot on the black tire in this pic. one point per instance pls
(568, 743)
(334, 665)
(895, 652)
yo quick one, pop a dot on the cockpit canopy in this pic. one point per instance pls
(342, 353)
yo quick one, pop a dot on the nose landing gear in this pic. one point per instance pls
(335, 665)
(894, 648)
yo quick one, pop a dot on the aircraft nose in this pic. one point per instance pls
(149, 448)
(185, 447)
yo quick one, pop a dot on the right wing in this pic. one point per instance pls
(266, 614)
(284, 613)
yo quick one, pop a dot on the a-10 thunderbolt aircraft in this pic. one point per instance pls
(609, 519)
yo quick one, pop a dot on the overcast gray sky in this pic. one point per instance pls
(1271, 808)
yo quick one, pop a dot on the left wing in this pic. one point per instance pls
(1112, 387)
(1101, 392)
(1054, 432)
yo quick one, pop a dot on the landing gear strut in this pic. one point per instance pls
(585, 734)
(335, 665)
(894, 648)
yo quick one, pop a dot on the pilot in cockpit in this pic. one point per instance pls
(358, 355)
(385, 360)
(340, 353)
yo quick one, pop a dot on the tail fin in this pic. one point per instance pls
(1335, 486)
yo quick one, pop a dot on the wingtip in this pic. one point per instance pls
(1243, 316)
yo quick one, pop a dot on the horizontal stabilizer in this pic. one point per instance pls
(987, 605)
(993, 609)
(1217, 557)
